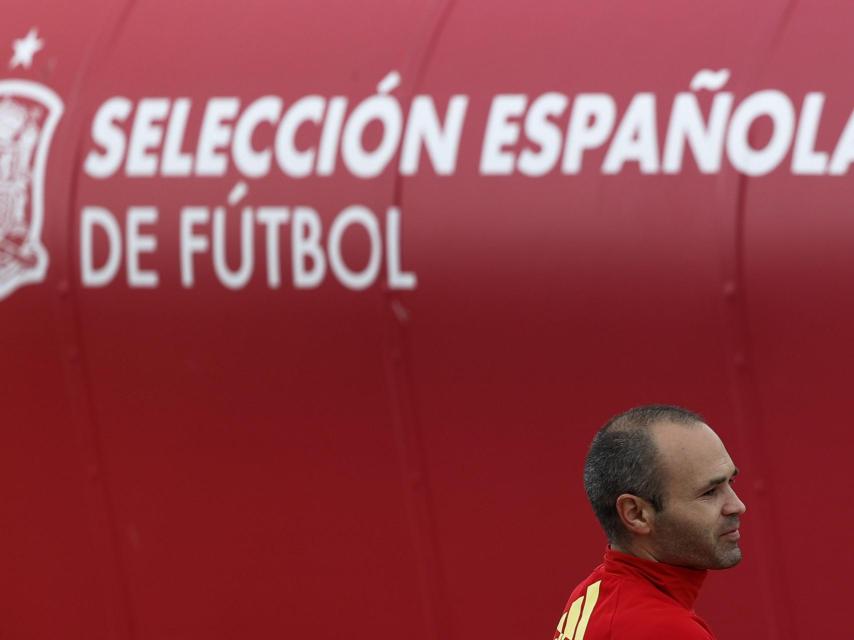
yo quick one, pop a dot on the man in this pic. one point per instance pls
(660, 483)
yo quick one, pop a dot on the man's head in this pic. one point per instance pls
(660, 482)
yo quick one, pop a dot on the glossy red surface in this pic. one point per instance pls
(208, 462)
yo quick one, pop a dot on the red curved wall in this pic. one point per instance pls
(207, 462)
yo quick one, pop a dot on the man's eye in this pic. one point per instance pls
(710, 491)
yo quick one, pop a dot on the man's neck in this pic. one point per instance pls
(634, 549)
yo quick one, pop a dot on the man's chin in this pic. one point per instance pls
(729, 559)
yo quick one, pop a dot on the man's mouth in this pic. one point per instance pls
(731, 534)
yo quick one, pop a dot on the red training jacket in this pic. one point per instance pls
(629, 598)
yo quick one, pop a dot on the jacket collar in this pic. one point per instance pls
(680, 583)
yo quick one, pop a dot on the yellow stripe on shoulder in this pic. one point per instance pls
(567, 623)
(590, 598)
(570, 627)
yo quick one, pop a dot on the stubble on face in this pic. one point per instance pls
(691, 530)
(686, 543)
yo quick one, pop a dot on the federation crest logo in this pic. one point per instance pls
(29, 113)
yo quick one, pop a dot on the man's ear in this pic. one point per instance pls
(635, 513)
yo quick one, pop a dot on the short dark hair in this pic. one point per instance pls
(623, 459)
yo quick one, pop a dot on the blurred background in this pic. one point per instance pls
(183, 458)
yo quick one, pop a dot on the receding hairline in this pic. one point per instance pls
(646, 417)
(666, 458)
(652, 430)
(687, 424)
(624, 457)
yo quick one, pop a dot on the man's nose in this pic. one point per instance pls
(734, 506)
